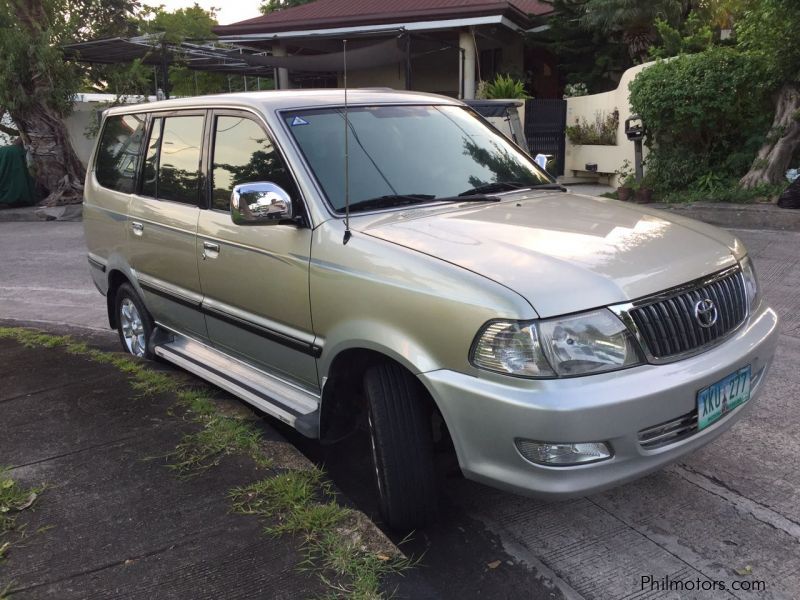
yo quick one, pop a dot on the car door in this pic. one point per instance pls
(163, 222)
(255, 278)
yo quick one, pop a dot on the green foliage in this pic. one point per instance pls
(601, 132)
(625, 174)
(505, 86)
(193, 23)
(704, 113)
(723, 190)
(770, 30)
(588, 56)
(633, 20)
(268, 6)
(304, 503)
(691, 36)
(28, 55)
(13, 499)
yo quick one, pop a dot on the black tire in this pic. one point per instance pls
(125, 292)
(402, 446)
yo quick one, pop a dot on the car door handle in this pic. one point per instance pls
(138, 228)
(210, 250)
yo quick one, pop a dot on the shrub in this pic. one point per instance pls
(602, 132)
(505, 86)
(573, 90)
(704, 113)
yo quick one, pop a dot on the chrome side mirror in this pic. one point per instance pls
(260, 203)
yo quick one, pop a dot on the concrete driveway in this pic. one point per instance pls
(728, 517)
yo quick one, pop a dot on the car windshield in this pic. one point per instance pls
(415, 154)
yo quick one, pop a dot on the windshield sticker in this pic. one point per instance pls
(299, 121)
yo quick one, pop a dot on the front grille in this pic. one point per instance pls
(669, 328)
(667, 433)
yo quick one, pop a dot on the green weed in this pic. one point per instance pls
(219, 437)
(13, 499)
(302, 503)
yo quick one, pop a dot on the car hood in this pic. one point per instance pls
(563, 252)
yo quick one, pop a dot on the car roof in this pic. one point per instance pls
(289, 99)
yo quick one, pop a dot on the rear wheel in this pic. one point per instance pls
(402, 446)
(134, 323)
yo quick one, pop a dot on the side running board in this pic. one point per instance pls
(282, 400)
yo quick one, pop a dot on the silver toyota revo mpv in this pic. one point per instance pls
(436, 284)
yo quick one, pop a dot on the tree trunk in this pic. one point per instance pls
(782, 142)
(56, 166)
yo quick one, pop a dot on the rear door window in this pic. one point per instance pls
(118, 152)
(172, 163)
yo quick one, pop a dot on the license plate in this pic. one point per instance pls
(718, 399)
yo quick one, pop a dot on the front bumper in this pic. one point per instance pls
(486, 414)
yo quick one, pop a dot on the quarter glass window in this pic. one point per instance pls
(118, 152)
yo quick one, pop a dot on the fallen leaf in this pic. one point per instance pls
(383, 557)
(3, 549)
(748, 570)
(494, 564)
(31, 499)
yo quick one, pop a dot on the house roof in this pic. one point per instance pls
(329, 14)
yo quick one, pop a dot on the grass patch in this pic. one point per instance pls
(13, 499)
(729, 192)
(296, 502)
(5, 593)
(302, 503)
(219, 437)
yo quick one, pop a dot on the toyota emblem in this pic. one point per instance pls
(705, 311)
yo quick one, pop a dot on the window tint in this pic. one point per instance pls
(118, 152)
(150, 175)
(179, 159)
(243, 154)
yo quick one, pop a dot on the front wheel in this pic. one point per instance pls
(134, 323)
(402, 446)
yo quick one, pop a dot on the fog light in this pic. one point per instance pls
(563, 455)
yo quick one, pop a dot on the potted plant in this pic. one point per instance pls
(644, 191)
(626, 179)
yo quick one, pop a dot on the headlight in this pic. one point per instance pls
(583, 344)
(750, 281)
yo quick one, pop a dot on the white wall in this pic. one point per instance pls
(608, 158)
(76, 124)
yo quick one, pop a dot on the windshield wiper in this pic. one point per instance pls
(549, 186)
(391, 200)
(508, 186)
(496, 186)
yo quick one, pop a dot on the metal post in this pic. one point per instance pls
(408, 61)
(165, 70)
(637, 149)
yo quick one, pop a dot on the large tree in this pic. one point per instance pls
(37, 85)
(770, 30)
(268, 6)
(633, 20)
(584, 55)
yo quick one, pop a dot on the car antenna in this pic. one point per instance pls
(347, 233)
